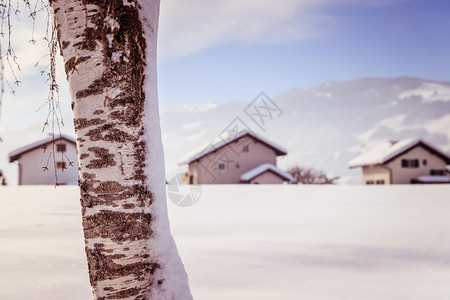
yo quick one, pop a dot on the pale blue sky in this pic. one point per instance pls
(349, 39)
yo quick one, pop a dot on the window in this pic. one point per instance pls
(424, 162)
(380, 181)
(369, 182)
(61, 165)
(245, 148)
(221, 167)
(61, 147)
(437, 172)
(410, 163)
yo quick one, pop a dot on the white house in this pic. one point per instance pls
(241, 158)
(38, 161)
(403, 162)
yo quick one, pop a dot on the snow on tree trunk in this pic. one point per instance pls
(109, 51)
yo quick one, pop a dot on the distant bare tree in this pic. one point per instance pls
(303, 175)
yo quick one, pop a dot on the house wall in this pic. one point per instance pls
(376, 175)
(31, 167)
(403, 175)
(237, 162)
(267, 177)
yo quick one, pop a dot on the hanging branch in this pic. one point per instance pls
(10, 9)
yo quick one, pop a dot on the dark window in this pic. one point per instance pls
(424, 162)
(370, 182)
(380, 181)
(221, 167)
(61, 165)
(245, 148)
(437, 172)
(61, 147)
(410, 163)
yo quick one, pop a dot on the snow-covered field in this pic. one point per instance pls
(251, 242)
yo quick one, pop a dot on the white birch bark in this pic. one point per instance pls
(109, 50)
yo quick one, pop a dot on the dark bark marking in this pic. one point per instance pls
(118, 226)
(140, 160)
(105, 158)
(82, 123)
(95, 88)
(107, 132)
(88, 175)
(65, 44)
(109, 187)
(73, 62)
(127, 115)
(128, 206)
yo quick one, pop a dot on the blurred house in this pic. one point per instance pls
(403, 162)
(243, 157)
(39, 161)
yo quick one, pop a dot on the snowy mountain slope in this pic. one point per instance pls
(324, 126)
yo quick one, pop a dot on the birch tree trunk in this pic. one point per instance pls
(109, 51)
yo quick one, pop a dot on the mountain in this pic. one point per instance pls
(324, 126)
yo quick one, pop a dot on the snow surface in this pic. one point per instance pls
(251, 242)
(261, 169)
(434, 178)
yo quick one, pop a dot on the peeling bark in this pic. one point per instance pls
(103, 47)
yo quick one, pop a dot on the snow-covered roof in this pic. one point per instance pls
(223, 142)
(18, 152)
(263, 168)
(388, 150)
(433, 179)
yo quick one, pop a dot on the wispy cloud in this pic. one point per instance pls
(187, 27)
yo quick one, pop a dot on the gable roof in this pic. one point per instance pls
(247, 176)
(223, 142)
(387, 151)
(16, 154)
